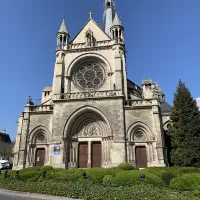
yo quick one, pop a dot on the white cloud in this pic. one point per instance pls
(198, 101)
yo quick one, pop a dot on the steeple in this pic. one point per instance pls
(109, 14)
(62, 35)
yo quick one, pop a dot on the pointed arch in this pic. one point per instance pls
(36, 132)
(87, 114)
(140, 131)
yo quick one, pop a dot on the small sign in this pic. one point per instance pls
(56, 149)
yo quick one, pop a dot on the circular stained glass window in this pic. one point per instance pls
(89, 75)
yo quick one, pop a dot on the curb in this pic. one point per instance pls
(32, 195)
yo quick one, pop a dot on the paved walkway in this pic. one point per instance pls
(12, 195)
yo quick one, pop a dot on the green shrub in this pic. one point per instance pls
(47, 168)
(186, 181)
(167, 177)
(108, 180)
(97, 174)
(126, 166)
(30, 173)
(124, 177)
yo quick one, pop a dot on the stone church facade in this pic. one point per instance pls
(92, 115)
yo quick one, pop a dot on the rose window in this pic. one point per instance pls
(89, 76)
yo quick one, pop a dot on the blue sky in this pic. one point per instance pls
(162, 41)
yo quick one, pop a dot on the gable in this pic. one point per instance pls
(98, 34)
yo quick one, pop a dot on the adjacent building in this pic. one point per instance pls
(6, 146)
(92, 115)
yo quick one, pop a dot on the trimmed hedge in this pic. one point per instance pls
(126, 166)
(186, 181)
(110, 184)
(108, 180)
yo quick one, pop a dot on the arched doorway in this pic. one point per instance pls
(88, 140)
(141, 156)
(40, 157)
(38, 147)
(141, 145)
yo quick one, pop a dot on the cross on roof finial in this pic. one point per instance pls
(90, 14)
(29, 99)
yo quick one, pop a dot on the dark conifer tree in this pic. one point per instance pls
(185, 133)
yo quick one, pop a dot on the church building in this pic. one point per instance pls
(92, 115)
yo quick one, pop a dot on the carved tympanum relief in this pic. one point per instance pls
(139, 135)
(90, 130)
(41, 138)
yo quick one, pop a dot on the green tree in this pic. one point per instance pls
(185, 133)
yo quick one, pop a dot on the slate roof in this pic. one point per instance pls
(165, 108)
(5, 138)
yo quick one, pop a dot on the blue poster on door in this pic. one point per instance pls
(56, 149)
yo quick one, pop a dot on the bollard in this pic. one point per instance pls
(16, 174)
(142, 177)
(44, 173)
(83, 175)
(5, 174)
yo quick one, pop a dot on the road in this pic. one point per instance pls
(11, 197)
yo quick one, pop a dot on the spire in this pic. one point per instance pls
(109, 14)
(116, 21)
(63, 27)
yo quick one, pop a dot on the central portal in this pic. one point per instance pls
(89, 154)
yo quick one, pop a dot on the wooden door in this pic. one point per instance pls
(141, 157)
(83, 155)
(40, 157)
(96, 154)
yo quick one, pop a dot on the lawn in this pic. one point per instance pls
(120, 183)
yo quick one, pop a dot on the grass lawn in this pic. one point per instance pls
(121, 183)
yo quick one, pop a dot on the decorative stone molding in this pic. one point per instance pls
(138, 103)
(89, 95)
(41, 108)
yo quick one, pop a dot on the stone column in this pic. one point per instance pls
(76, 148)
(133, 152)
(103, 152)
(128, 151)
(109, 148)
(150, 152)
(89, 154)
